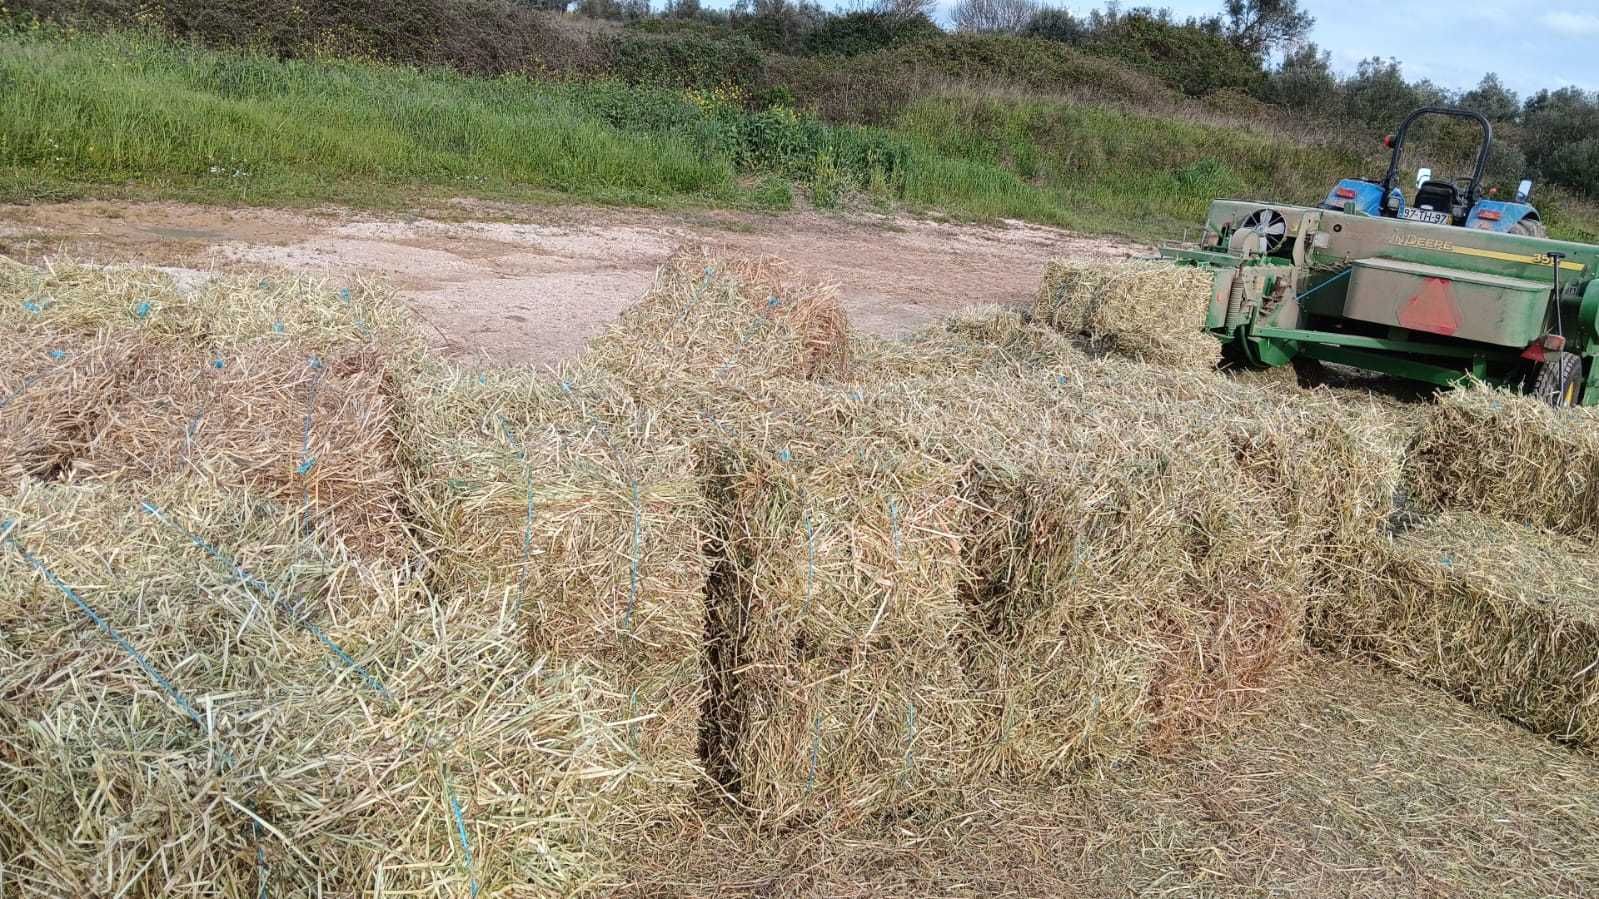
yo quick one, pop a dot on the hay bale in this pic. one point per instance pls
(1130, 593)
(279, 384)
(557, 496)
(1150, 311)
(1510, 457)
(726, 320)
(836, 683)
(309, 431)
(262, 762)
(1501, 615)
(226, 309)
(976, 341)
(53, 389)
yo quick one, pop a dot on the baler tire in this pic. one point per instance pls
(1559, 380)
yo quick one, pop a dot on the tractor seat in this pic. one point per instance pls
(1438, 196)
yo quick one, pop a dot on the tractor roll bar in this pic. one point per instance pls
(1482, 154)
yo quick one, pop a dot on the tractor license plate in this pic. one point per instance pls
(1425, 215)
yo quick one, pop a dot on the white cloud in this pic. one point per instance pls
(1575, 24)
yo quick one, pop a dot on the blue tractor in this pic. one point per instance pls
(1459, 202)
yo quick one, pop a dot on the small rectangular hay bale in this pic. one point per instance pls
(358, 789)
(1510, 457)
(562, 503)
(1502, 615)
(836, 686)
(725, 319)
(220, 310)
(1136, 569)
(973, 342)
(1150, 311)
(54, 386)
(310, 431)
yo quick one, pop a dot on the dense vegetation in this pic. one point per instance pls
(1126, 121)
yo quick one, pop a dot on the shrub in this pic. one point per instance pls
(1189, 59)
(864, 32)
(688, 59)
(1576, 166)
(1055, 24)
(482, 37)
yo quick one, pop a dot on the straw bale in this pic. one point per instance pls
(1510, 457)
(978, 340)
(224, 310)
(1151, 311)
(309, 431)
(298, 777)
(835, 618)
(1502, 615)
(727, 319)
(1138, 562)
(556, 495)
(53, 389)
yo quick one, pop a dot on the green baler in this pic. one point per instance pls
(1449, 287)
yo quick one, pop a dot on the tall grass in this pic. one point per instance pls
(1111, 167)
(128, 114)
(112, 110)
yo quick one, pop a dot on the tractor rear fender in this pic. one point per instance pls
(1361, 197)
(1500, 216)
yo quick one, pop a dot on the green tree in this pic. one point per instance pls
(1304, 80)
(1054, 23)
(1491, 98)
(1261, 26)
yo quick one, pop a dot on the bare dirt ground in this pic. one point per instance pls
(531, 284)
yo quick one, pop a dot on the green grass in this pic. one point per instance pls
(126, 115)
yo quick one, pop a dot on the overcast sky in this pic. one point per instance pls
(1532, 45)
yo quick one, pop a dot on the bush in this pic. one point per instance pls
(1560, 127)
(1041, 65)
(1189, 59)
(864, 32)
(1055, 24)
(480, 37)
(773, 192)
(689, 59)
(1576, 166)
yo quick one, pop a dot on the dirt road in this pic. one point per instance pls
(531, 284)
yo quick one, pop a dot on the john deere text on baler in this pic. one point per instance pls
(1440, 288)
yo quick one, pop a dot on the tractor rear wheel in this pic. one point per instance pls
(1559, 380)
(1529, 228)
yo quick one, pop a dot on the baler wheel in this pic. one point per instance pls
(1559, 380)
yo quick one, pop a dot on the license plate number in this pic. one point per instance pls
(1425, 215)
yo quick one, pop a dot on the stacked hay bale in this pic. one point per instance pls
(556, 502)
(979, 341)
(1511, 457)
(1150, 311)
(54, 389)
(1132, 574)
(200, 700)
(835, 619)
(279, 384)
(1500, 614)
(724, 322)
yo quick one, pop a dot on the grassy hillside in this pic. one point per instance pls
(130, 115)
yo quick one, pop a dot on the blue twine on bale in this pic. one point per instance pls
(252, 582)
